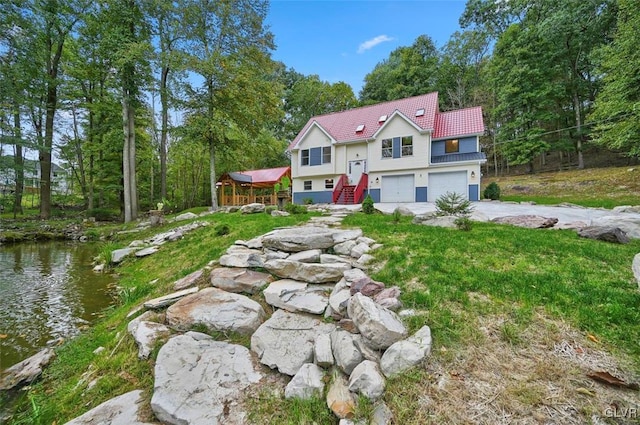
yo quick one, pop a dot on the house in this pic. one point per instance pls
(61, 178)
(246, 187)
(399, 151)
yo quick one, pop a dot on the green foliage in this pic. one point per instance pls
(269, 209)
(292, 208)
(367, 205)
(464, 223)
(492, 191)
(452, 203)
(102, 214)
(222, 229)
(286, 182)
(396, 216)
(307, 201)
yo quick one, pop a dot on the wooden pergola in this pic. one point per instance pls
(246, 187)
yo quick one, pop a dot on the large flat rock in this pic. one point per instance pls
(286, 340)
(121, 410)
(233, 279)
(294, 296)
(218, 310)
(169, 299)
(27, 370)
(307, 272)
(199, 381)
(311, 237)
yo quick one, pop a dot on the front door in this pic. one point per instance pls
(356, 168)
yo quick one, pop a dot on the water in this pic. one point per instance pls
(47, 291)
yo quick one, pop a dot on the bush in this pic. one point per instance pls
(295, 209)
(307, 201)
(268, 210)
(367, 205)
(222, 229)
(463, 223)
(452, 203)
(396, 216)
(492, 191)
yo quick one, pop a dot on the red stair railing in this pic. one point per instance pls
(360, 188)
(337, 191)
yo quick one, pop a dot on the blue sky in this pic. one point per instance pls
(343, 40)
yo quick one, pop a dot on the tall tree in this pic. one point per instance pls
(228, 47)
(617, 106)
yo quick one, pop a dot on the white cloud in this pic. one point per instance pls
(370, 44)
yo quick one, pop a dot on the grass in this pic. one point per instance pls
(594, 187)
(500, 300)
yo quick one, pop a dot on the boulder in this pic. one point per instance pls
(366, 286)
(169, 299)
(339, 297)
(309, 256)
(296, 239)
(628, 223)
(346, 354)
(346, 235)
(382, 415)
(218, 310)
(359, 250)
(278, 213)
(252, 208)
(286, 340)
(294, 296)
(635, 267)
(307, 272)
(185, 216)
(379, 326)
(529, 221)
(275, 255)
(121, 410)
(188, 281)
(202, 381)
(364, 260)
(118, 255)
(305, 384)
(353, 275)
(330, 258)
(145, 252)
(339, 398)
(367, 380)
(243, 258)
(392, 304)
(145, 334)
(404, 211)
(436, 220)
(393, 292)
(607, 234)
(27, 370)
(239, 279)
(322, 351)
(405, 354)
(344, 248)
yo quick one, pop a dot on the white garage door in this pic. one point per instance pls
(397, 189)
(441, 183)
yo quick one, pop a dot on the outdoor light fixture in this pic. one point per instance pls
(473, 174)
(377, 180)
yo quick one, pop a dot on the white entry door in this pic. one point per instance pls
(441, 183)
(356, 168)
(397, 189)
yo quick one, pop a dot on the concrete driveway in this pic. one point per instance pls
(568, 216)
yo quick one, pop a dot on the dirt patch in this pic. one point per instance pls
(536, 377)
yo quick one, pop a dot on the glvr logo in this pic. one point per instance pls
(621, 412)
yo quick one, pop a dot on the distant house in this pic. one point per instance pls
(246, 187)
(399, 151)
(61, 178)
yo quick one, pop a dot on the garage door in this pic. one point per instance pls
(397, 189)
(441, 183)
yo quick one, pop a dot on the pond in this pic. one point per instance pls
(48, 291)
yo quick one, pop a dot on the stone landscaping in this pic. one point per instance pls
(328, 319)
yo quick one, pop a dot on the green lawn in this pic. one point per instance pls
(454, 279)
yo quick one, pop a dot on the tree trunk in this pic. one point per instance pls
(212, 177)
(129, 159)
(18, 164)
(44, 155)
(576, 106)
(163, 132)
(81, 174)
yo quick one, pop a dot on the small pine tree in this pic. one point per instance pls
(452, 203)
(492, 191)
(367, 205)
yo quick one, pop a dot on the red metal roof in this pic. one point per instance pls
(267, 175)
(462, 122)
(342, 125)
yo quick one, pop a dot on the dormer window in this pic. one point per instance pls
(420, 112)
(360, 128)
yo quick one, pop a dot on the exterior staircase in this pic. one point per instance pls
(346, 194)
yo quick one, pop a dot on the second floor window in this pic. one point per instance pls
(326, 155)
(407, 146)
(451, 146)
(387, 148)
(397, 147)
(304, 157)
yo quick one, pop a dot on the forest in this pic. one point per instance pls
(149, 101)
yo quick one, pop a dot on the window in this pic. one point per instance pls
(387, 148)
(407, 146)
(307, 185)
(328, 184)
(326, 155)
(304, 157)
(451, 146)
